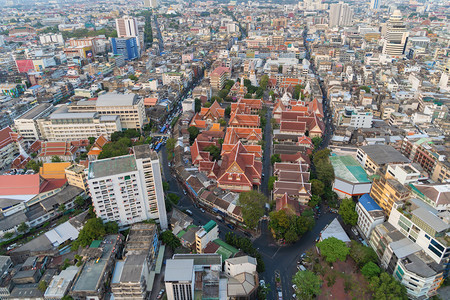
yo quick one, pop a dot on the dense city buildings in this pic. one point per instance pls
(133, 130)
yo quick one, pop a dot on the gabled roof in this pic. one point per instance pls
(54, 170)
(20, 184)
(20, 162)
(7, 136)
(98, 145)
(57, 148)
(288, 204)
(241, 120)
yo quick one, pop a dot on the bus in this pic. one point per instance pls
(163, 129)
(158, 147)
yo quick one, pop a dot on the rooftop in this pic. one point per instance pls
(348, 169)
(334, 229)
(368, 203)
(113, 99)
(179, 270)
(201, 259)
(112, 166)
(384, 154)
(35, 111)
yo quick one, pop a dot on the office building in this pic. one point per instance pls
(373, 157)
(27, 124)
(127, 27)
(11, 143)
(63, 125)
(375, 4)
(128, 189)
(129, 107)
(340, 14)
(396, 36)
(128, 47)
(76, 176)
(151, 3)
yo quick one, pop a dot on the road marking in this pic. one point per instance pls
(276, 252)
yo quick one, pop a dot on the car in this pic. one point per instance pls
(202, 210)
(301, 268)
(231, 226)
(262, 282)
(355, 232)
(189, 212)
(294, 287)
(303, 255)
(160, 294)
(184, 192)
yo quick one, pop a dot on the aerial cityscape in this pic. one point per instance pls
(224, 149)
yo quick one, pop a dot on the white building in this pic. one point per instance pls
(370, 214)
(340, 14)
(404, 173)
(60, 284)
(350, 178)
(375, 4)
(51, 38)
(151, 3)
(354, 118)
(188, 104)
(27, 124)
(235, 266)
(396, 36)
(127, 26)
(128, 189)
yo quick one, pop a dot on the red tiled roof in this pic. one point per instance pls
(20, 162)
(291, 206)
(57, 148)
(20, 184)
(52, 184)
(36, 146)
(7, 136)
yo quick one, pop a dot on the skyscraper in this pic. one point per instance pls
(151, 3)
(396, 36)
(375, 4)
(127, 27)
(340, 14)
(128, 189)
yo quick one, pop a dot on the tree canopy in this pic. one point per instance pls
(92, 230)
(362, 254)
(317, 187)
(333, 249)
(264, 81)
(370, 270)
(214, 151)
(271, 182)
(252, 206)
(170, 239)
(289, 227)
(275, 158)
(348, 212)
(307, 284)
(385, 287)
(193, 133)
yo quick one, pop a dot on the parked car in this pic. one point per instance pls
(202, 210)
(355, 232)
(189, 212)
(160, 294)
(301, 268)
(231, 226)
(262, 282)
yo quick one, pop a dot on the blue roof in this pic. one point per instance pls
(368, 203)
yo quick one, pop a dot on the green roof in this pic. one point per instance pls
(347, 168)
(226, 246)
(159, 259)
(181, 233)
(210, 225)
(95, 244)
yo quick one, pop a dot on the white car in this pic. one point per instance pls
(262, 282)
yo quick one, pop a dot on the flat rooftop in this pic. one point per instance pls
(384, 154)
(92, 273)
(112, 166)
(35, 111)
(144, 151)
(179, 270)
(201, 259)
(114, 99)
(348, 169)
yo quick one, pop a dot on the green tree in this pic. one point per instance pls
(133, 77)
(316, 141)
(280, 223)
(42, 286)
(362, 254)
(370, 270)
(79, 201)
(173, 198)
(314, 201)
(170, 145)
(264, 81)
(228, 111)
(297, 92)
(56, 159)
(248, 96)
(348, 212)
(317, 187)
(92, 230)
(385, 287)
(62, 208)
(271, 182)
(67, 297)
(307, 284)
(166, 186)
(252, 206)
(111, 227)
(214, 151)
(272, 95)
(333, 249)
(275, 158)
(23, 227)
(320, 155)
(170, 239)
(365, 88)
(33, 165)
(291, 236)
(91, 140)
(8, 235)
(222, 122)
(198, 105)
(325, 171)
(223, 93)
(193, 133)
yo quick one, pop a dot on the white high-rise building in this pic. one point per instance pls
(375, 4)
(340, 14)
(151, 3)
(127, 26)
(128, 189)
(396, 36)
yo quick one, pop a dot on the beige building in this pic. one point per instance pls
(129, 107)
(76, 176)
(208, 233)
(66, 126)
(27, 125)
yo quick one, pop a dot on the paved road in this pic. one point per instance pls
(284, 259)
(186, 202)
(267, 152)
